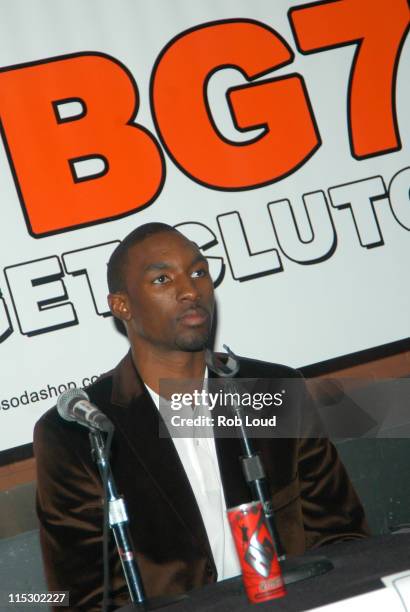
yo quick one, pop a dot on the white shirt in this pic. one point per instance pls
(198, 456)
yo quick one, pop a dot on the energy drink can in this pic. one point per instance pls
(259, 562)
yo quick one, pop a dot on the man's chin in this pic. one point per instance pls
(192, 342)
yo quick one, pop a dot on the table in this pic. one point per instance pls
(359, 565)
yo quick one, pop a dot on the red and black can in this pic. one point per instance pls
(259, 562)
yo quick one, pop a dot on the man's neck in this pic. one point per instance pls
(155, 364)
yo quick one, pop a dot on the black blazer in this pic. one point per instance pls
(311, 494)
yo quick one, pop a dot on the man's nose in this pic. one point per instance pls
(188, 289)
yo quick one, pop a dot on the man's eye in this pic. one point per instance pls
(160, 280)
(199, 273)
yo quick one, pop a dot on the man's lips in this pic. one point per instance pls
(194, 316)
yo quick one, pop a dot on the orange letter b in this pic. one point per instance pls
(76, 154)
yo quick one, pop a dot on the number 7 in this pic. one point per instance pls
(378, 28)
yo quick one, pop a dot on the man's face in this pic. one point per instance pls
(169, 299)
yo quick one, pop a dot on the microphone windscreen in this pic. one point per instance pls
(67, 400)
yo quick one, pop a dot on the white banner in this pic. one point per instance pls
(274, 134)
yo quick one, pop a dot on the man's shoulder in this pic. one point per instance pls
(101, 393)
(99, 389)
(255, 368)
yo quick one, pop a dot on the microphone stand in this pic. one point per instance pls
(293, 570)
(118, 520)
(254, 472)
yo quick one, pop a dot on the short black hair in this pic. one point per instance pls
(119, 257)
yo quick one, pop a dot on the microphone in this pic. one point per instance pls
(74, 405)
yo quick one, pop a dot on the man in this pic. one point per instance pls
(176, 491)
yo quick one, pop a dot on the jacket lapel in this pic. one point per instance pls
(138, 420)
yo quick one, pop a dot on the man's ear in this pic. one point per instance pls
(119, 306)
